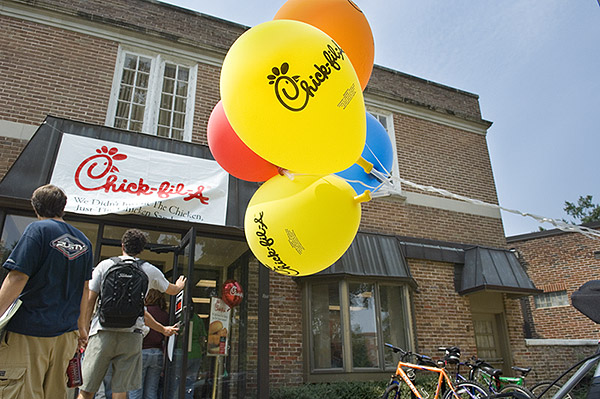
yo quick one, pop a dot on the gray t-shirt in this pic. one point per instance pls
(156, 280)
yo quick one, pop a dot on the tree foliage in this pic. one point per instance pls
(584, 211)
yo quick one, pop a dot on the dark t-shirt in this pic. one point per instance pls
(155, 339)
(58, 260)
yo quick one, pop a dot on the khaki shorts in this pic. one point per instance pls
(124, 350)
(35, 367)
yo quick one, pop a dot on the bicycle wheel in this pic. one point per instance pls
(468, 390)
(539, 388)
(391, 392)
(525, 393)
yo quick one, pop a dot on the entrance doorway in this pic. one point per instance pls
(206, 262)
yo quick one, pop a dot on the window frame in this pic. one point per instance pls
(547, 297)
(389, 127)
(155, 83)
(344, 300)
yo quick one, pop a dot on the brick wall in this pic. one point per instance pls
(285, 361)
(46, 70)
(441, 317)
(562, 261)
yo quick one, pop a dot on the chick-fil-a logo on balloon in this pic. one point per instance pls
(294, 93)
(99, 172)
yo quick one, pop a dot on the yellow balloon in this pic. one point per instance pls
(292, 96)
(299, 227)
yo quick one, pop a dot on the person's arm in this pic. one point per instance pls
(11, 288)
(151, 322)
(85, 315)
(174, 289)
(83, 323)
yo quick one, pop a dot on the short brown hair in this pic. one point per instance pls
(49, 201)
(133, 241)
(156, 297)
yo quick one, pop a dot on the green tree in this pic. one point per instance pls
(584, 211)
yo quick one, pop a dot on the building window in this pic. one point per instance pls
(153, 94)
(551, 299)
(350, 321)
(387, 120)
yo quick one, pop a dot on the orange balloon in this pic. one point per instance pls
(344, 22)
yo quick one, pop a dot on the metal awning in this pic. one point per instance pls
(35, 164)
(373, 255)
(494, 270)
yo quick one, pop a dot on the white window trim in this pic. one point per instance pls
(395, 172)
(157, 69)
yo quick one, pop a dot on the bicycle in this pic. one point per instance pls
(550, 391)
(496, 382)
(405, 372)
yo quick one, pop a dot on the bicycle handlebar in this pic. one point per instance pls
(405, 355)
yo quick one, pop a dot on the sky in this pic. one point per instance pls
(535, 66)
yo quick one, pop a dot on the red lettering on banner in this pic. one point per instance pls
(98, 172)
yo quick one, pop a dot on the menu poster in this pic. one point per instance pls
(218, 328)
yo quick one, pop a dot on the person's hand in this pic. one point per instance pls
(82, 341)
(180, 283)
(171, 330)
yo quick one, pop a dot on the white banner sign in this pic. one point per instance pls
(101, 177)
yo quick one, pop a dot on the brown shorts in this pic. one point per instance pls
(35, 367)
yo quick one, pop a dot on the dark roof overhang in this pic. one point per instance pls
(372, 255)
(494, 269)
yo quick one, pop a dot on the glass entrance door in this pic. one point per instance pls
(179, 370)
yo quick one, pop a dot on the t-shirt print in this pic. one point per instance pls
(71, 247)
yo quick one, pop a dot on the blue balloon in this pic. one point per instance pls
(378, 150)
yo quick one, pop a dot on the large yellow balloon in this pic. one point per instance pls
(299, 227)
(292, 96)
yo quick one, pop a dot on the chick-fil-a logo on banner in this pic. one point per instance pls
(118, 178)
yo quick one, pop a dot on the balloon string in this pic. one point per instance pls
(568, 227)
(387, 181)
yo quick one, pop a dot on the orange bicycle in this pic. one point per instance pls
(445, 389)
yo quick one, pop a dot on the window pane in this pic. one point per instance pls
(178, 120)
(168, 86)
(177, 134)
(145, 64)
(182, 88)
(166, 101)
(135, 126)
(393, 320)
(120, 123)
(180, 104)
(164, 118)
(125, 93)
(122, 110)
(137, 113)
(163, 131)
(139, 96)
(170, 71)
(128, 77)
(326, 328)
(363, 325)
(183, 74)
(130, 62)
(142, 80)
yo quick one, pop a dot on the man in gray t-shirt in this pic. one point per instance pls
(120, 346)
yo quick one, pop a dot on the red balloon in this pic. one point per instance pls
(232, 293)
(231, 153)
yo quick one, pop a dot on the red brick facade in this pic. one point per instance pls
(68, 72)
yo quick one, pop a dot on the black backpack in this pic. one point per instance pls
(587, 300)
(122, 293)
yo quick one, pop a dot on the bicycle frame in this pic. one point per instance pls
(579, 374)
(441, 379)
